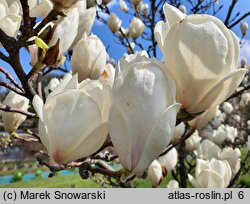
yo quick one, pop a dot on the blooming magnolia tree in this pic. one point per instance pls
(140, 117)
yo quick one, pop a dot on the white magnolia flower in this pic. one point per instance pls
(173, 184)
(154, 173)
(233, 157)
(136, 28)
(192, 142)
(178, 132)
(65, 3)
(143, 112)
(245, 100)
(89, 58)
(66, 31)
(231, 132)
(218, 136)
(183, 9)
(168, 161)
(51, 86)
(208, 150)
(244, 28)
(11, 120)
(86, 21)
(201, 55)
(73, 121)
(114, 23)
(201, 120)
(123, 6)
(211, 174)
(236, 118)
(227, 107)
(9, 19)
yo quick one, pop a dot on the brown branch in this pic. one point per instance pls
(7, 108)
(12, 88)
(12, 80)
(229, 13)
(239, 20)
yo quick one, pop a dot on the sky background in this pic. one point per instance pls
(116, 51)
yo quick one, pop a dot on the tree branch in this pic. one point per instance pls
(7, 108)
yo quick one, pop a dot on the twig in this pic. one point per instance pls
(7, 108)
(9, 86)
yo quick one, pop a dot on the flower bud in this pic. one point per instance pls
(89, 58)
(123, 6)
(168, 161)
(183, 9)
(244, 28)
(65, 3)
(136, 28)
(155, 173)
(11, 120)
(178, 132)
(227, 107)
(173, 184)
(114, 23)
(192, 142)
(243, 62)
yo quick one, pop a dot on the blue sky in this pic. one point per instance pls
(116, 51)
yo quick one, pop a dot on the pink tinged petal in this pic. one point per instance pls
(158, 138)
(220, 92)
(70, 116)
(210, 179)
(172, 14)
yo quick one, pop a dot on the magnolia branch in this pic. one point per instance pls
(7, 108)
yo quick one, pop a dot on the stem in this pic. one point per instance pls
(7, 108)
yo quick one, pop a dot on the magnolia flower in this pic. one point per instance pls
(51, 86)
(136, 28)
(114, 23)
(208, 150)
(86, 21)
(201, 120)
(65, 3)
(231, 133)
(218, 136)
(173, 184)
(168, 161)
(123, 6)
(183, 9)
(143, 112)
(233, 157)
(66, 31)
(89, 58)
(243, 63)
(192, 142)
(9, 19)
(73, 121)
(236, 118)
(211, 174)
(227, 107)
(178, 132)
(245, 100)
(12, 121)
(109, 74)
(244, 28)
(201, 55)
(154, 173)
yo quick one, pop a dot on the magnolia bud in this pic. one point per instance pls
(89, 58)
(244, 28)
(236, 118)
(65, 3)
(173, 184)
(136, 28)
(155, 173)
(123, 6)
(243, 63)
(145, 8)
(227, 107)
(11, 120)
(114, 23)
(192, 142)
(168, 161)
(183, 9)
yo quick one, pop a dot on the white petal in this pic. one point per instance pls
(161, 31)
(210, 179)
(11, 24)
(37, 103)
(220, 92)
